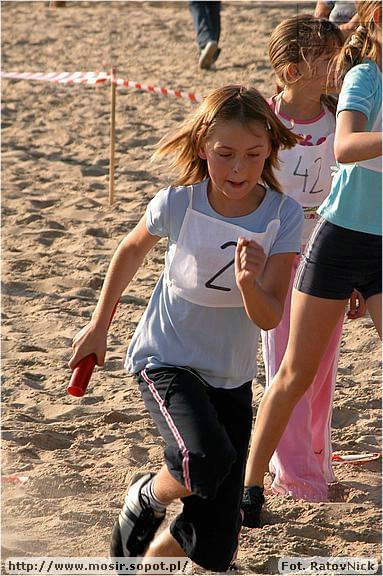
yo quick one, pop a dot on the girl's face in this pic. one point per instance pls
(235, 155)
(317, 75)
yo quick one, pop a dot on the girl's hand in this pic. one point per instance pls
(249, 262)
(357, 306)
(89, 340)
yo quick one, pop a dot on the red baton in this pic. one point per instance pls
(83, 371)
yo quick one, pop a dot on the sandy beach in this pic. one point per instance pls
(59, 233)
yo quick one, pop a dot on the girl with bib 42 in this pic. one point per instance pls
(345, 250)
(232, 238)
(301, 49)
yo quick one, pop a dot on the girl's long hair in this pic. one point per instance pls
(363, 42)
(233, 102)
(303, 38)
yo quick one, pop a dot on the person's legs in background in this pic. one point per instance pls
(207, 23)
(301, 464)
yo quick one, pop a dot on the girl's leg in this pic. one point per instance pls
(166, 488)
(215, 20)
(211, 520)
(208, 527)
(178, 401)
(274, 343)
(201, 20)
(312, 323)
(302, 469)
(293, 466)
(164, 545)
(301, 462)
(374, 307)
(205, 455)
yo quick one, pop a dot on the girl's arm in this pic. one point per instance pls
(322, 9)
(350, 26)
(123, 266)
(352, 143)
(263, 282)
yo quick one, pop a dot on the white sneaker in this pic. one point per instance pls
(206, 58)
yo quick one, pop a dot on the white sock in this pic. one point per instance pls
(156, 504)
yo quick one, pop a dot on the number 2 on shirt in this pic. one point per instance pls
(209, 283)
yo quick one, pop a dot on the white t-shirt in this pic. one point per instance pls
(305, 171)
(314, 130)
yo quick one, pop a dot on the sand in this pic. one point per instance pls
(59, 233)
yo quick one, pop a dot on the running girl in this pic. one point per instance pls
(232, 237)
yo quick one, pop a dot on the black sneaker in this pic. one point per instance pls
(252, 502)
(137, 522)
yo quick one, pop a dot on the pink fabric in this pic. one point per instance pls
(302, 461)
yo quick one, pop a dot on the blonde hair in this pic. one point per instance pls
(299, 39)
(232, 102)
(363, 42)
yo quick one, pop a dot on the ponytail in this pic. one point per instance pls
(362, 43)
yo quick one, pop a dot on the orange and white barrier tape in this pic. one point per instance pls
(121, 83)
(92, 78)
(14, 479)
(59, 77)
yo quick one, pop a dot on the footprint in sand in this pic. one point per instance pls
(31, 348)
(98, 232)
(18, 289)
(47, 440)
(96, 186)
(116, 416)
(94, 171)
(138, 455)
(21, 265)
(32, 380)
(308, 531)
(343, 416)
(60, 485)
(41, 204)
(29, 219)
(47, 237)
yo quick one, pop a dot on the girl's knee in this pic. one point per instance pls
(203, 471)
(292, 382)
(164, 545)
(210, 470)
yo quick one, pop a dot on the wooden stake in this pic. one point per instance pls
(112, 136)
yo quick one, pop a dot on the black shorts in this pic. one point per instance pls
(207, 432)
(337, 260)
